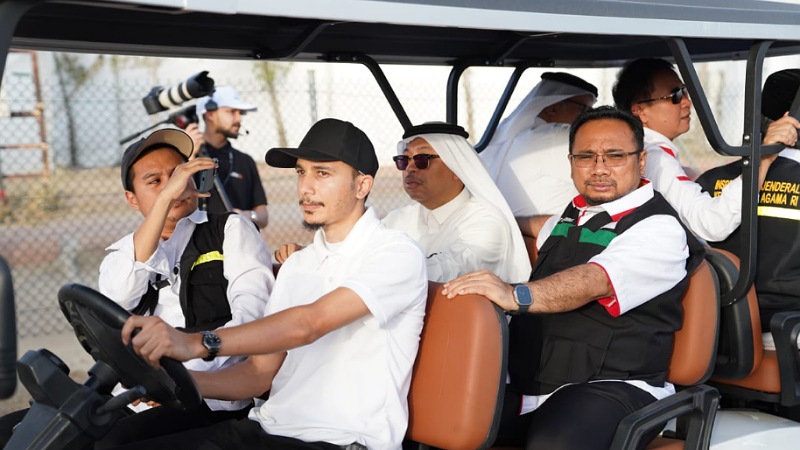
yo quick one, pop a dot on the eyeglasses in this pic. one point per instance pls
(615, 159)
(421, 161)
(583, 106)
(676, 96)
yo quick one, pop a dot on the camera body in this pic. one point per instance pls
(183, 117)
(205, 179)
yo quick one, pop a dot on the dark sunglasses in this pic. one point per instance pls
(676, 96)
(582, 106)
(421, 161)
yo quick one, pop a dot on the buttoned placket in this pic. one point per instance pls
(431, 231)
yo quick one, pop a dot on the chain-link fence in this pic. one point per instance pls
(61, 202)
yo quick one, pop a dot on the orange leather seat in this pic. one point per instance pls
(773, 375)
(766, 378)
(459, 376)
(691, 365)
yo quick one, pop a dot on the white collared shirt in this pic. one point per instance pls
(709, 218)
(351, 385)
(249, 275)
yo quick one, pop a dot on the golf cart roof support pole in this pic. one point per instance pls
(502, 104)
(750, 150)
(10, 13)
(451, 106)
(684, 62)
(383, 83)
(460, 66)
(751, 141)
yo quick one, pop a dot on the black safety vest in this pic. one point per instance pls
(550, 350)
(203, 293)
(777, 279)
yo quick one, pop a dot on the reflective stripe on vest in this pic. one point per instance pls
(780, 213)
(207, 257)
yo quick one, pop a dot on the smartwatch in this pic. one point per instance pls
(212, 343)
(523, 297)
(253, 216)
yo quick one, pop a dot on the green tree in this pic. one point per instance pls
(271, 74)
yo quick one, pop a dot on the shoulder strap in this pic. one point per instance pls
(147, 305)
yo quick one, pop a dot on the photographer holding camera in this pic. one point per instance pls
(222, 113)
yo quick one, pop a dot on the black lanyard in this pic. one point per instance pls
(230, 167)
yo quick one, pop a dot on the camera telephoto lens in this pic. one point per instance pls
(160, 99)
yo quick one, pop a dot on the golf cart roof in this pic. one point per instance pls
(576, 33)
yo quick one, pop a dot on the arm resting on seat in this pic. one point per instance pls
(700, 402)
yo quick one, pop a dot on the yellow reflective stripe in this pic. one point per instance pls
(780, 213)
(207, 257)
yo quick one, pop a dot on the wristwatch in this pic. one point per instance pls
(253, 216)
(523, 297)
(212, 343)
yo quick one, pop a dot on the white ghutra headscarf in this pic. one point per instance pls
(548, 92)
(463, 160)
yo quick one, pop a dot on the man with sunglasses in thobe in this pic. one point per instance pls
(460, 218)
(525, 157)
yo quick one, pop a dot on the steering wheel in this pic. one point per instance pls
(98, 321)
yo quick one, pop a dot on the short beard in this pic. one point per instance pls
(599, 201)
(229, 134)
(312, 226)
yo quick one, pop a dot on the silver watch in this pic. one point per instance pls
(253, 215)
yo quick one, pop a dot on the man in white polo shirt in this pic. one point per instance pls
(592, 335)
(341, 332)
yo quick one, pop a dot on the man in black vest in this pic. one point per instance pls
(198, 271)
(592, 333)
(778, 263)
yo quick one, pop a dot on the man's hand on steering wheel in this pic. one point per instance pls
(156, 339)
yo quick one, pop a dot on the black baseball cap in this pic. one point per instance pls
(167, 137)
(329, 140)
(779, 91)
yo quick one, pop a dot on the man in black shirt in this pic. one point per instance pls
(222, 113)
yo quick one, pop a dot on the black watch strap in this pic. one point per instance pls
(212, 343)
(523, 297)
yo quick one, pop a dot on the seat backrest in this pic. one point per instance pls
(696, 341)
(691, 365)
(740, 349)
(459, 376)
